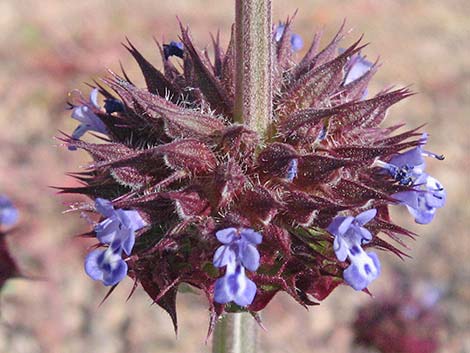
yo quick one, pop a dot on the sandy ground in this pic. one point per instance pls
(53, 46)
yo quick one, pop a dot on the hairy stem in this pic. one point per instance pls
(235, 333)
(253, 83)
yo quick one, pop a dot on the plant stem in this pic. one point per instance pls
(235, 333)
(253, 82)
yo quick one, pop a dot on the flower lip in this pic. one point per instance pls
(365, 217)
(105, 207)
(227, 235)
(251, 236)
(106, 266)
(424, 200)
(362, 272)
(234, 286)
(340, 225)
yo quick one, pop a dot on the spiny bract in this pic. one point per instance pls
(173, 153)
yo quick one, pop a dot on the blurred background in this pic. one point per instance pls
(51, 47)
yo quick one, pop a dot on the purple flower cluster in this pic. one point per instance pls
(238, 252)
(350, 235)
(428, 194)
(117, 230)
(8, 213)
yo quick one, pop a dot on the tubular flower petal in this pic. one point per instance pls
(106, 266)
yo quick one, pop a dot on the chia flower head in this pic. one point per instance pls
(187, 195)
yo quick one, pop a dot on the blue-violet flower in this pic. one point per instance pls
(422, 202)
(238, 252)
(349, 236)
(88, 119)
(408, 169)
(119, 226)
